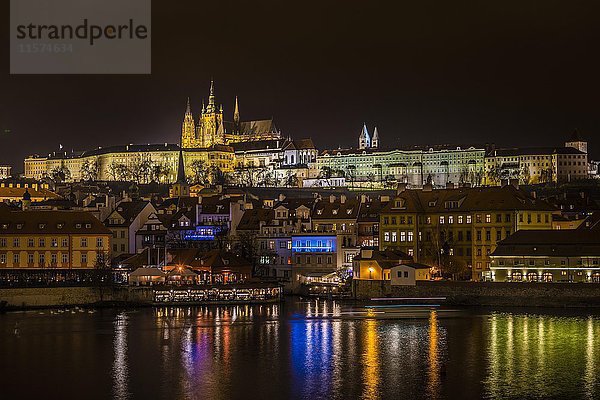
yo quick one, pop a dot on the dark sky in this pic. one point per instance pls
(513, 73)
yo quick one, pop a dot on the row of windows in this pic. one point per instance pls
(405, 236)
(53, 242)
(533, 262)
(452, 219)
(309, 259)
(41, 258)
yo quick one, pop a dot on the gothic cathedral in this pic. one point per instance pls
(212, 130)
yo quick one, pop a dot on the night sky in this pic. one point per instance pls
(514, 73)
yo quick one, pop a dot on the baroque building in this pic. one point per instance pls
(212, 129)
(458, 229)
(531, 165)
(369, 164)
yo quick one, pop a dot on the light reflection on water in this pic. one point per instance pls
(301, 350)
(538, 356)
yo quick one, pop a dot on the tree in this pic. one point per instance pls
(141, 168)
(102, 276)
(89, 170)
(218, 177)
(525, 175)
(547, 175)
(200, 173)
(60, 174)
(291, 180)
(351, 174)
(494, 174)
(159, 172)
(248, 247)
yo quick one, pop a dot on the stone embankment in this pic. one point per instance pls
(513, 294)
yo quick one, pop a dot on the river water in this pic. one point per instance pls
(299, 350)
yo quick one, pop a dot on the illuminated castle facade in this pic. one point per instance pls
(211, 129)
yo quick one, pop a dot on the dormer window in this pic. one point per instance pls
(78, 226)
(59, 225)
(334, 212)
(320, 211)
(19, 226)
(88, 226)
(4, 226)
(41, 226)
(432, 204)
(349, 211)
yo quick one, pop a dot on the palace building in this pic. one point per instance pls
(370, 164)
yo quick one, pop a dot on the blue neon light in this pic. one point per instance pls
(314, 244)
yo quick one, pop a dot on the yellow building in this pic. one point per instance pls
(52, 240)
(140, 163)
(537, 164)
(456, 230)
(377, 265)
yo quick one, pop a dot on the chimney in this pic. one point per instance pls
(428, 187)
(363, 198)
(533, 194)
(400, 188)
(332, 199)
(449, 185)
(504, 182)
(514, 183)
(343, 198)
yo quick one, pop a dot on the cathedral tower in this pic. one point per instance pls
(375, 139)
(364, 140)
(188, 130)
(210, 126)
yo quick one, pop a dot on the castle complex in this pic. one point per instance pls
(254, 152)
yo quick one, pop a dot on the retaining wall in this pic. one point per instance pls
(487, 293)
(73, 296)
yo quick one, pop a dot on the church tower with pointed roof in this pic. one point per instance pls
(180, 188)
(375, 139)
(364, 140)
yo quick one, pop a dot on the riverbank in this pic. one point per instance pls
(499, 294)
(510, 294)
(136, 296)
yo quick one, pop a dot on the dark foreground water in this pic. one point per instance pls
(311, 350)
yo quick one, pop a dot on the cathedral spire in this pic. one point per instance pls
(211, 98)
(375, 139)
(236, 112)
(188, 109)
(181, 169)
(364, 140)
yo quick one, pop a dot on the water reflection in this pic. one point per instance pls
(120, 370)
(536, 356)
(278, 352)
(433, 384)
(371, 361)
